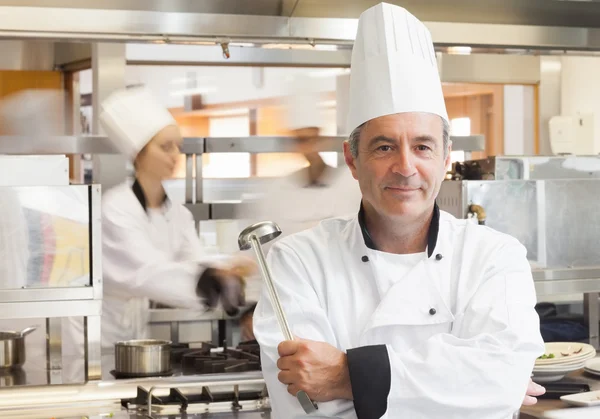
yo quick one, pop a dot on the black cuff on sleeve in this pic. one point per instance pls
(371, 379)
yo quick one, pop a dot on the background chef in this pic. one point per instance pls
(410, 312)
(302, 199)
(290, 200)
(150, 247)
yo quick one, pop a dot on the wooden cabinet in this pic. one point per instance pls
(12, 81)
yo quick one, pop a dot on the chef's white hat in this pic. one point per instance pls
(393, 68)
(302, 105)
(132, 117)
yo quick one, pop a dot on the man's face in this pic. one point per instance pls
(401, 163)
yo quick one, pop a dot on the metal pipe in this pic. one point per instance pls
(189, 179)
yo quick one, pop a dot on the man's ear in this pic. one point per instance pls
(350, 160)
(448, 159)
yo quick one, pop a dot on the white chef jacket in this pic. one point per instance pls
(147, 254)
(455, 337)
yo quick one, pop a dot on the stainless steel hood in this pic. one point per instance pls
(193, 28)
(581, 13)
(488, 24)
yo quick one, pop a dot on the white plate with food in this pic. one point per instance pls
(565, 352)
(590, 398)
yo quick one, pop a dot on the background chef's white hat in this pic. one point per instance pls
(132, 117)
(302, 105)
(393, 67)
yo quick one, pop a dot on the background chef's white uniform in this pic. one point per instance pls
(146, 253)
(451, 333)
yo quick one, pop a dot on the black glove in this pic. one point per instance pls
(219, 284)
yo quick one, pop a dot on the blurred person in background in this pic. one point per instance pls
(151, 250)
(304, 198)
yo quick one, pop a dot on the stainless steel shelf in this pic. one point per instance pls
(268, 144)
(90, 144)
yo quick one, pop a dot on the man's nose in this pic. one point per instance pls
(404, 163)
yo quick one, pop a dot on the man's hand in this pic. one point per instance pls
(318, 368)
(533, 390)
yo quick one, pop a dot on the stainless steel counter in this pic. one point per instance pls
(75, 398)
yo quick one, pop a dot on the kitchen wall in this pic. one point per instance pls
(580, 92)
(519, 119)
(549, 100)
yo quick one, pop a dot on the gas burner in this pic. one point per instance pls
(204, 360)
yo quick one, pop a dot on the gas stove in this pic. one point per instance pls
(228, 383)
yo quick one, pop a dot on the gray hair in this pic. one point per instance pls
(354, 137)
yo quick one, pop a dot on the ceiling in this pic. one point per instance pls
(574, 13)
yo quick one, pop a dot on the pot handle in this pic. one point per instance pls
(28, 330)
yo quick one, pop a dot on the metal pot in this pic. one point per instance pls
(12, 377)
(12, 348)
(143, 358)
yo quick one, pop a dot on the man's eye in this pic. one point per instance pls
(423, 148)
(384, 148)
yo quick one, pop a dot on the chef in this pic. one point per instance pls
(150, 247)
(401, 311)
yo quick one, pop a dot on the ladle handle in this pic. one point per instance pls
(273, 295)
(307, 404)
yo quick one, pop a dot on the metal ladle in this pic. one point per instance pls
(252, 237)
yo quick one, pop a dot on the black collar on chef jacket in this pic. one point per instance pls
(141, 196)
(432, 235)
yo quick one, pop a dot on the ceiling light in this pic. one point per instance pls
(331, 72)
(459, 50)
